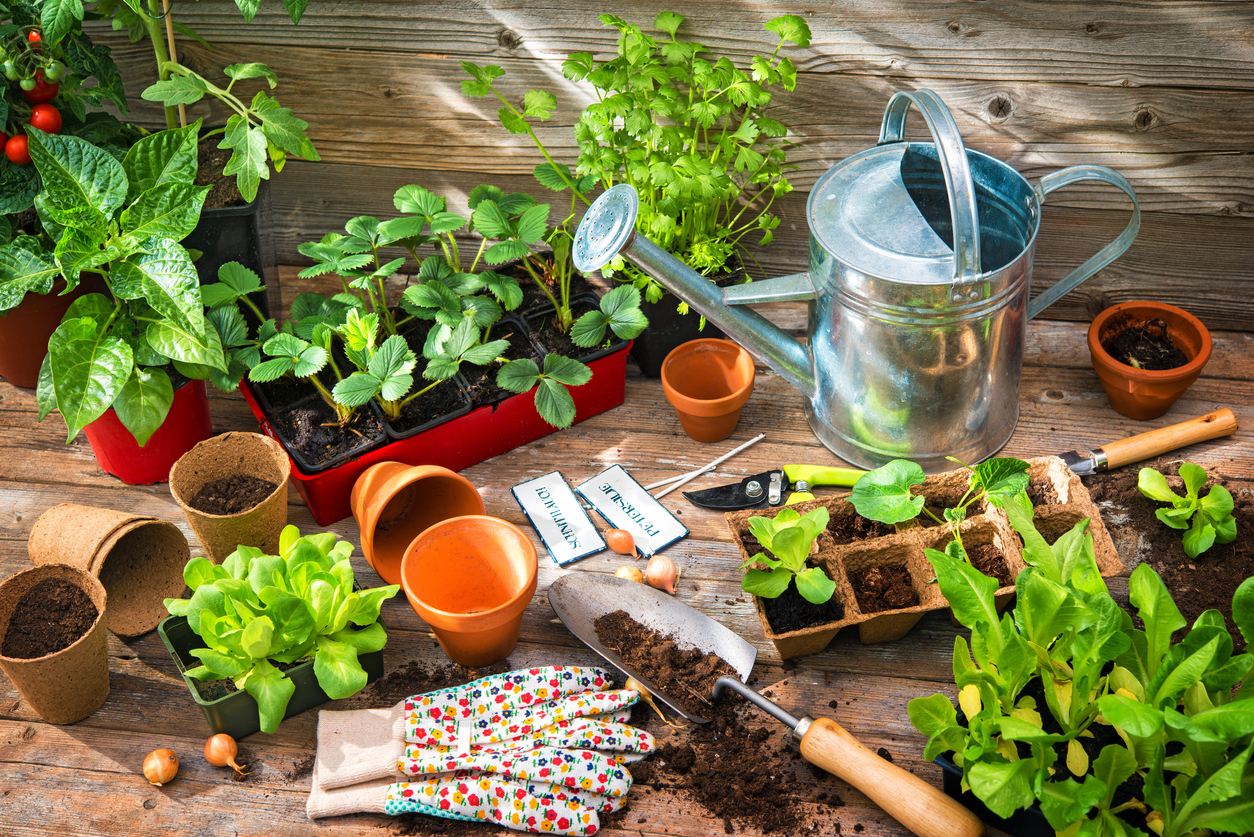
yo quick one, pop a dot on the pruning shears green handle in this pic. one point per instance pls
(802, 477)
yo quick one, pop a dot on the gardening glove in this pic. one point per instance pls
(532, 806)
(520, 710)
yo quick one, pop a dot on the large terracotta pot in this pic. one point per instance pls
(119, 454)
(25, 330)
(393, 503)
(470, 578)
(708, 382)
(1142, 393)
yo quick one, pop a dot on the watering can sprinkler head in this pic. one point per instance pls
(607, 228)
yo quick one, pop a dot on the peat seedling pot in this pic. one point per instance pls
(139, 560)
(393, 503)
(470, 579)
(227, 464)
(236, 713)
(24, 330)
(66, 685)
(1145, 393)
(119, 454)
(708, 382)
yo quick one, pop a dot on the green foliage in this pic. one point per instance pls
(1095, 668)
(255, 610)
(788, 538)
(1211, 516)
(687, 129)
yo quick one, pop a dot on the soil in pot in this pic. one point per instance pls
(790, 611)
(1145, 344)
(988, 559)
(52, 615)
(532, 295)
(440, 400)
(549, 338)
(936, 502)
(1043, 492)
(481, 380)
(852, 528)
(1196, 584)
(210, 162)
(309, 426)
(232, 495)
(881, 588)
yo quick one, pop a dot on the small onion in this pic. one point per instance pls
(161, 766)
(630, 573)
(220, 750)
(661, 573)
(621, 541)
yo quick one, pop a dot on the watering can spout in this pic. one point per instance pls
(608, 229)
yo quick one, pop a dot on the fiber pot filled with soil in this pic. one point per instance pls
(1146, 355)
(53, 641)
(233, 490)
(139, 560)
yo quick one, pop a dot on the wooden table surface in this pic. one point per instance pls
(85, 779)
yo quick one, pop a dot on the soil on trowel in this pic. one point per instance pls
(1043, 492)
(883, 588)
(232, 495)
(682, 672)
(988, 559)
(1196, 584)
(209, 164)
(51, 616)
(790, 611)
(1145, 345)
(850, 528)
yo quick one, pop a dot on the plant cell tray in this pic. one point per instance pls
(1069, 502)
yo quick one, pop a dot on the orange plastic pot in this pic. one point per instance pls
(470, 578)
(1142, 393)
(708, 382)
(393, 503)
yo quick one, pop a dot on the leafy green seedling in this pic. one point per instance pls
(788, 537)
(1212, 519)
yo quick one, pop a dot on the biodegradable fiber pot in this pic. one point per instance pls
(119, 454)
(393, 503)
(223, 457)
(470, 578)
(68, 685)
(708, 382)
(139, 560)
(1143, 393)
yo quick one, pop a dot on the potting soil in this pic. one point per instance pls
(1145, 345)
(883, 588)
(988, 559)
(211, 161)
(232, 495)
(849, 528)
(790, 611)
(51, 616)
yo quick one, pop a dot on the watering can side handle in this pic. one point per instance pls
(795, 287)
(954, 166)
(1106, 255)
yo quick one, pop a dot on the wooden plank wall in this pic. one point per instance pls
(1160, 90)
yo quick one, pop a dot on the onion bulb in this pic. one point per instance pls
(161, 766)
(630, 573)
(220, 750)
(621, 541)
(661, 573)
(645, 695)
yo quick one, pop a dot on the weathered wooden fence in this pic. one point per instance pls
(1162, 91)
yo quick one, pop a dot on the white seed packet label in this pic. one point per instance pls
(625, 504)
(558, 517)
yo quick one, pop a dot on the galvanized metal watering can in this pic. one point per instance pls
(919, 285)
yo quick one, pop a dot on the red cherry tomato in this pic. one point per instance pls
(17, 149)
(46, 118)
(44, 91)
(34, 37)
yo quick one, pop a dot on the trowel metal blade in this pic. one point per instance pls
(580, 598)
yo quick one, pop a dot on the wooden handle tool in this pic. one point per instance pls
(1148, 445)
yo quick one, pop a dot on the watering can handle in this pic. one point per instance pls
(1104, 256)
(953, 161)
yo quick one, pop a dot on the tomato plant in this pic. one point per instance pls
(17, 149)
(46, 118)
(41, 91)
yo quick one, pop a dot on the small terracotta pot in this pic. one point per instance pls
(24, 331)
(708, 382)
(139, 560)
(68, 685)
(393, 503)
(1141, 393)
(224, 456)
(470, 578)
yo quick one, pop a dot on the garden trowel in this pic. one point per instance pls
(579, 599)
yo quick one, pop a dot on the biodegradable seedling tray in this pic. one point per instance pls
(906, 545)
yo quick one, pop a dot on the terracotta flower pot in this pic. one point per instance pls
(393, 503)
(119, 454)
(67, 685)
(708, 382)
(1143, 393)
(470, 578)
(139, 560)
(24, 331)
(223, 457)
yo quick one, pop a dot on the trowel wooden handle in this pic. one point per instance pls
(1148, 445)
(920, 807)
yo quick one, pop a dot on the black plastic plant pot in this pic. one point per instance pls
(232, 234)
(1029, 822)
(236, 714)
(535, 321)
(463, 396)
(667, 329)
(366, 444)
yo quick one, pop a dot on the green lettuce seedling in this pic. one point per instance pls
(1212, 519)
(788, 538)
(254, 610)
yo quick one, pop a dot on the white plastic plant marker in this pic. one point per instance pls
(558, 517)
(625, 504)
